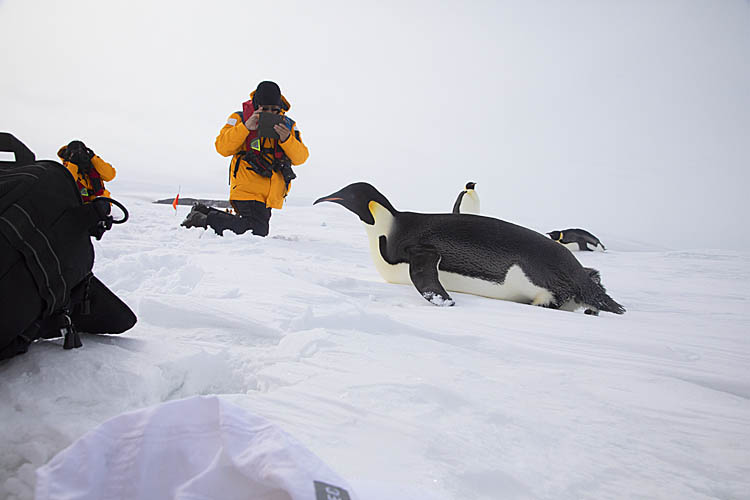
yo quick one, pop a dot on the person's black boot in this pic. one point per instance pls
(200, 207)
(195, 219)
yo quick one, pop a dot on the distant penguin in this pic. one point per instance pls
(471, 254)
(577, 239)
(467, 201)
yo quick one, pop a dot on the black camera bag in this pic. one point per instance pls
(46, 257)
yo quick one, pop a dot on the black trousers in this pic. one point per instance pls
(251, 215)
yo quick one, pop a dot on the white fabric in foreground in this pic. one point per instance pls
(198, 448)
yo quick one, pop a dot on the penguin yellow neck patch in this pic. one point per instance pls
(376, 209)
(382, 218)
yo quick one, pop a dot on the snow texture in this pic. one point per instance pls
(484, 400)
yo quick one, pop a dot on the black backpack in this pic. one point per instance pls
(9, 144)
(47, 288)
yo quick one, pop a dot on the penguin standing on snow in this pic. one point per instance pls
(577, 239)
(471, 254)
(467, 201)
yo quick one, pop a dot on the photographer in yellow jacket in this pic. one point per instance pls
(264, 145)
(89, 171)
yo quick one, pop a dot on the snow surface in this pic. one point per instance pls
(484, 400)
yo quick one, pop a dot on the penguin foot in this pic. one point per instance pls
(543, 299)
(423, 271)
(438, 300)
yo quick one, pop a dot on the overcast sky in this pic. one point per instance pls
(622, 117)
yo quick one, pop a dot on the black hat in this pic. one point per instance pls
(76, 144)
(267, 94)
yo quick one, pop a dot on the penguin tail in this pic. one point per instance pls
(595, 296)
(606, 303)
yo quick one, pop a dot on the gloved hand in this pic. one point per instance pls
(283, 132)
(90, 152)
(252, 122)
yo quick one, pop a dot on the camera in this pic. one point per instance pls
(267, 121)
(78, 153)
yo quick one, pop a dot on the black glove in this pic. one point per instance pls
(90, 153)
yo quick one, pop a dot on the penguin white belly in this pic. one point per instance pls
(574, 247)
(516, 287)
(469, 203)
(392, 273)
(398, 273)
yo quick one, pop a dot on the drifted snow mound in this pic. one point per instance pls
(196, 448)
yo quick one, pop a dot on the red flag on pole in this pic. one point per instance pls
(176, 199)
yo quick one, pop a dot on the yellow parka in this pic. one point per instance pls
(106, 171)
(246, 184)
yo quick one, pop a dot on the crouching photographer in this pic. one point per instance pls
(89, 171)
(264, 143)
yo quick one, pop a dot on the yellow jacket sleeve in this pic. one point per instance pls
(232, 136)
(106, 171)
(294, 148)
(72, 168)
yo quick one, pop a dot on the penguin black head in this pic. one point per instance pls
(470, 185)
(357, 197)
(555, 235)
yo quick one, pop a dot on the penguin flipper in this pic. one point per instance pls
(457, 204)
(423, 271)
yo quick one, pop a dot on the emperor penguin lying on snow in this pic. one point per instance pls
(467, 201)
(471, 254)
(577, 239)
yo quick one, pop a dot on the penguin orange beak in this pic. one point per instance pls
(327, 198)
